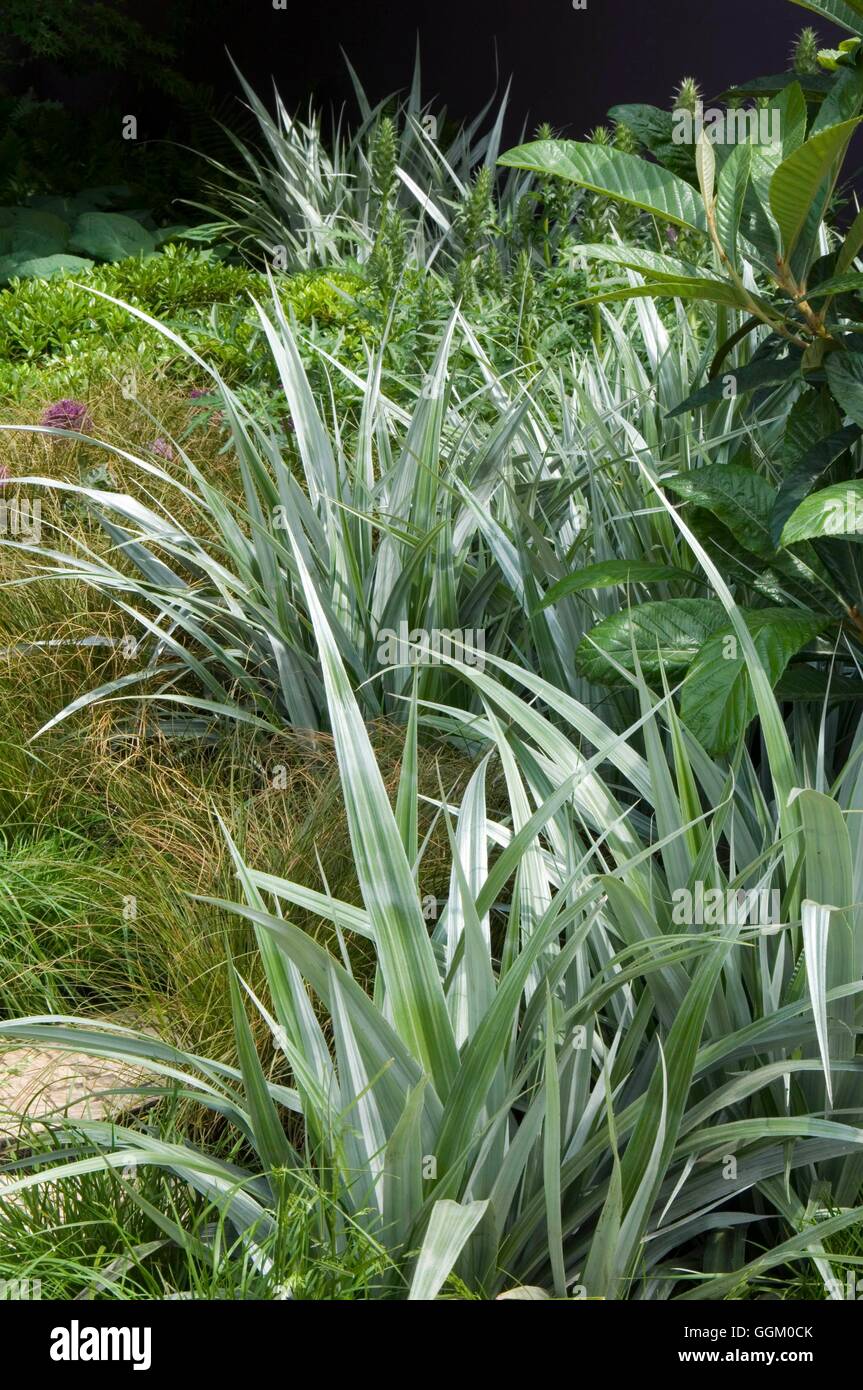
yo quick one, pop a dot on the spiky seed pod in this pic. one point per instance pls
(804, 51)
(524, 219)
(476, 219)
(625, 139)
(465, 282)
(687, 96)
(387, 260)
(600, 135)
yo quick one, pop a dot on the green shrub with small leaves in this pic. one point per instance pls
(56, 331)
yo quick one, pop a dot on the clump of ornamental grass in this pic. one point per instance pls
(559, 1085)
(122, 406)
(195, 553)
(110, 826)
(103, 1237)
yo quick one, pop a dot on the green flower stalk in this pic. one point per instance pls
(804, 52)
(384, 160)
(687, 96)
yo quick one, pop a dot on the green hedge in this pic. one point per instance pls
(55, 335)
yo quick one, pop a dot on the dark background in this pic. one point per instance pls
(568, 66)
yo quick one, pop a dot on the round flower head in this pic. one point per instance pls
(67, 415)
(162, 448)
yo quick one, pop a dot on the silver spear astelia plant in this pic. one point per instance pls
(394, 525)
(516, 508)
(405, 189)
(561, 1086)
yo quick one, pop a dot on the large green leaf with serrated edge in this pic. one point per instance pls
(845, 375)
(666, 633)
(851, 282)
(796, 183)
(653, 263)
(730, 196)
(813, 416)
(738, 380)
(813, 85)
(832, 513)
(716, 702)
(703, 289)
(741, 498)
(846, 13)
(609, 573)
(617, 175)
(655, 129)
(800, 481)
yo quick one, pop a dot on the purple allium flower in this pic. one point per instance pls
(196, 393)
(67, 415)
(161, 447)
(672, 234)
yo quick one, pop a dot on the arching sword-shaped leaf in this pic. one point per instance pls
(816, 926)
(270, 1138)
(451, 1226)
(407, 958)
